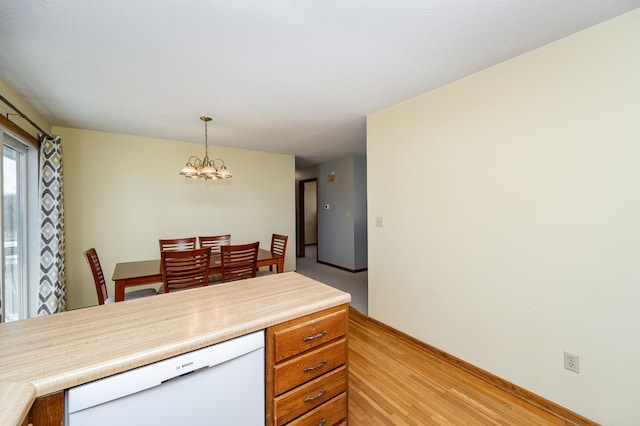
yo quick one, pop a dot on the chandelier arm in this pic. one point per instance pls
(216, 159)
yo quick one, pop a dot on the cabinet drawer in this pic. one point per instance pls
(296, 337)
(309, 396)
(328, 414)
(313, 364)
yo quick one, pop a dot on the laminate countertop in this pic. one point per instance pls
(47, 354)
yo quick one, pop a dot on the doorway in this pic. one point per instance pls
(307, 214)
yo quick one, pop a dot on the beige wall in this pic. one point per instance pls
(511, 228)
(123, 192)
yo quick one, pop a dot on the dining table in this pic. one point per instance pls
(129, 274)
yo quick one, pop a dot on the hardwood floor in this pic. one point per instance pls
(394, 382)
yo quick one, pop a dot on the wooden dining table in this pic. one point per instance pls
(129, 274)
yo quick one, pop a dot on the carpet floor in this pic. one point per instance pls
(355, 284)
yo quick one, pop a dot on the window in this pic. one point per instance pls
(19, 190)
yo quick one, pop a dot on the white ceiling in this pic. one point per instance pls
(288, 76)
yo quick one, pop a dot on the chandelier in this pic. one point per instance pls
(205, 168)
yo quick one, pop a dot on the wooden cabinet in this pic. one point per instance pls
(47, 410)
(307, 369)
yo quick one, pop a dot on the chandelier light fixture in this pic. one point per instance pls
(205, 168)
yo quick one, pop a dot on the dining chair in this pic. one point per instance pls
(92, 259)
(239, 261)
(177, 244)
(185, 269)
(215, 242)
(278, 246)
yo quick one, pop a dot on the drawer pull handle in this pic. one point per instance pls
(320, 364)
(322, 333)
(322, 422)
(313, 398)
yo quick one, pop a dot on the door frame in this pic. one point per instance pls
(301, 200)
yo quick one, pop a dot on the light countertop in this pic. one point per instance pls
(42, 355)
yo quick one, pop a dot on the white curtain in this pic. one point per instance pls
(52, 292)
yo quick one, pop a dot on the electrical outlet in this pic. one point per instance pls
(572, 362)
(379, 221)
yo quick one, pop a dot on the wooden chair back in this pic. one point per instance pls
(215, 242)
(278, 246)
(239, 261)
(98, 277)
(185, 269)
(177, 244)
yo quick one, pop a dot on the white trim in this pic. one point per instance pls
(33, 231)
(31, 204)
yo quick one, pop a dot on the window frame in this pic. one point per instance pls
(31, 207)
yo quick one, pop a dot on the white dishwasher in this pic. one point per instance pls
(221, 384)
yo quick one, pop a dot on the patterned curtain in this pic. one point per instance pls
(52, 275)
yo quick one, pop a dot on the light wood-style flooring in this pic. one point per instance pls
(394, 382)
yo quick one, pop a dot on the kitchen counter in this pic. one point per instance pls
(42, 355)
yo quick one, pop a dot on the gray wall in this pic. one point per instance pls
(342, 227)
(360, 212)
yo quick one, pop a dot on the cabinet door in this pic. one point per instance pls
(47, 410)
